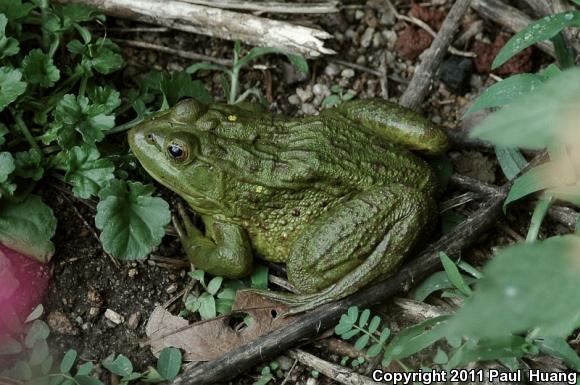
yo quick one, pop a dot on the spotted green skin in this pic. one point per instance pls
(340, 198)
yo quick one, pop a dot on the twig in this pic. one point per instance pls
(220, 23)
(340, 347)
(419, 86)
(173, 51)
(336, 372)
(289, 372)
(270, 6)
(508, 17)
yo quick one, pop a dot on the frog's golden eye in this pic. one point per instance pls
(178, 151)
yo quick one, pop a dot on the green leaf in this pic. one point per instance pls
(454, 275)
(374, 350)
(350, 334)
(489, 350)
(11, 86)
(440, 357)
(207, 309)
(538, 178)
(558, 347)
(259, 277)
(331, 101)
(27, 227)
(504, 92)
(510, 160)
(385, 334)
(374, 325)
(83, 379)
(352, 313)
(198, 275)
(7, 167)
(192, 69)
(77, 13)
(8, 45)
(3, 131)
(214, 285)
(524, 287)
(540, 30)
(85, 369)
(38, 353)
(131, 220)
(29, 164)
(177, 86)
(169, 363)
(39, 69)
(361, 342)
(106, 97)
(38, 331)
(68, 361)
(10, 346)
(416, 338)
(35, 314)
(364, 318)
(342, 328)
(436, 282)
(86, 171)
(120, 366)
(298, 61)
(14, 9)
(537, 119)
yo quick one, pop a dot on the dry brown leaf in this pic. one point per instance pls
(208, 340)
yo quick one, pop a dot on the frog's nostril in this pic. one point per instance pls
(149, 138)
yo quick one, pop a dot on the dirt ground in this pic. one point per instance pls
(87, 282)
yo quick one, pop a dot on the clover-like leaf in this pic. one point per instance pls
(8, 45)
(11, 86)
(7, 167)
(105, 96)
(27, 227)
(29, 164)
(86, 171)
(15, 9)
(130, 219)
(39, 69)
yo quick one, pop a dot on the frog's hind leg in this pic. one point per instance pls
(396, 123)
(354, 244)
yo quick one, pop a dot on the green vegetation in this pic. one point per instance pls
(34, 364)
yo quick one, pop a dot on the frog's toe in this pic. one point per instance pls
(297, 303)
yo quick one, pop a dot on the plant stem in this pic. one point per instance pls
(538, 216)
(83, 86)
(45, 35)
(24, 129)
(234, 77)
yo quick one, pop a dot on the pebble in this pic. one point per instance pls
(361, 59)
(60, 324)
(339, 37)
(455, 73)
(304, 94)
(321, 90)
(132, 273)
(359, 14)
(133, 321)
(377, 40)
(311, 381)
(391, 38)
(94, 298)
(171, 288)
(293, 99)
(93, 312)
(367, 37)
(332, 70)
(285, 362)
(114, 317)
(347, 73)
(308, 109)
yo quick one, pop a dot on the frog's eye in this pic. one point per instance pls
(178, 151)
(188, 111)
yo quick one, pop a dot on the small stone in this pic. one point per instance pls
(347, 73)
(391, 37)
(321, 90)
(377, 40)
(388, 17)
(132, 273)
(59, 323)
(332, 70)
(339, 37)
(292, 75)
(94, 298)
(412, 41)
(114, 317)
(359, 14)
(293, 99)
(436, 119)
(93, 312)
(455, 73)
(361, 59)
(367, 37)
(171, 288)
(285, 362)
(308, 109)
(134, 320)
(311, 381)
(305, 94)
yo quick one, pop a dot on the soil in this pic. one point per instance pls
(86, 282)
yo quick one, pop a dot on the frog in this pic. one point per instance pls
(341, 198)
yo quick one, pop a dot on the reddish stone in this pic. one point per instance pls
(486, 53)
(412, 41)
(433, 17)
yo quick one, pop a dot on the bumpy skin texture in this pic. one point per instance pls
(339, 197)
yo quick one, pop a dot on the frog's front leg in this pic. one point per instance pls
(360, 241)
(225, 250)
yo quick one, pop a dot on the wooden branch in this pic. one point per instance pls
(314, 323)
(508, 17)
(220, 23)
(270, 6)
(336, 372)
(427, 69)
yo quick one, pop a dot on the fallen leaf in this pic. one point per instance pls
(210, 339)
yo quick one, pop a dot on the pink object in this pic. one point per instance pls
(23, 283)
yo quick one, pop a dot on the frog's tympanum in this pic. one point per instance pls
(340, 197)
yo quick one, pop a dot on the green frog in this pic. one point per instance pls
(341, 198)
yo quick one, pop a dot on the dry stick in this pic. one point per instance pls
(173, 51)
(218, 23)
(336, 372)
(270, 6)
(508, 17)
(314, 323)
(424, 73)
